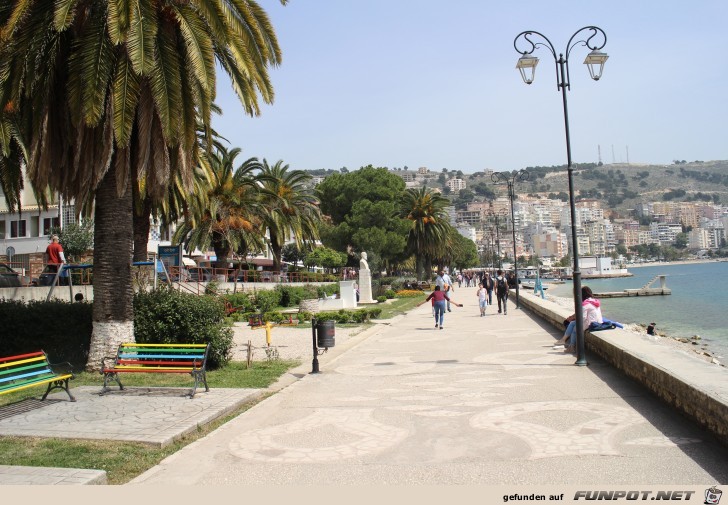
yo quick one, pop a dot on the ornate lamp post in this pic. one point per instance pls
(502, 178)
(596, 39)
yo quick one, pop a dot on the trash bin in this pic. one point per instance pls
(325, 333)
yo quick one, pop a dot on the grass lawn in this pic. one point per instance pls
(123, 461)
(399, 306)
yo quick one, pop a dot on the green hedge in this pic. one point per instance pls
(349, 316)
(61, 329)
(168, 316)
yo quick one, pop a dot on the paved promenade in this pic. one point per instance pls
(483, 401)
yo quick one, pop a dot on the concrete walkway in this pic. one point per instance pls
(483, 401)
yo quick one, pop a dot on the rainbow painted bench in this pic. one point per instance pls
(157, 358)
(32, 369)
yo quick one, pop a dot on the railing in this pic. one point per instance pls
(37, 273)
(208, 274)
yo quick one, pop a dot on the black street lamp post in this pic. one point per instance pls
(595, 63)
(496, 216)
(501, 178)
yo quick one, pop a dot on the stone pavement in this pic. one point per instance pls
(156, 416)
(483, 401)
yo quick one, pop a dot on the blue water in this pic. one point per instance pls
(697, 305)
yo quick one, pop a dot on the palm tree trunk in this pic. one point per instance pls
(113, 312)
(222, 249)
(141, 230)
(276, 250)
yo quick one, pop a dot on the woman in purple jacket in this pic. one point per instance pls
(440, 300)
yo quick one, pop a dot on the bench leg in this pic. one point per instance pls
(111, 376)
(59, 384)
(198, 375)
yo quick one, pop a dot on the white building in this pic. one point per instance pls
(698, 239)
(665, 233)
(27, 231)
(456, 184)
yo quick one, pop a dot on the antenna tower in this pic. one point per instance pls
(599, 150)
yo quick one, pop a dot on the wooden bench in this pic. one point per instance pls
(32, 369)
(157, 358)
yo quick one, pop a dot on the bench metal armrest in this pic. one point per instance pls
(68, 367)
(103, 362)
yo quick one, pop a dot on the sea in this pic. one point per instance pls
(698, 304)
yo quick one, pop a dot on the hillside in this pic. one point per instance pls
(620, 186)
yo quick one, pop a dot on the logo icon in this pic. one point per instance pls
(712, 496)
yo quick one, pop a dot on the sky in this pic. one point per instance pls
(422, 83)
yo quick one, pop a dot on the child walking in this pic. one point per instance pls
(482, 299)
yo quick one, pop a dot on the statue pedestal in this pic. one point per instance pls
(365, 287)
(348, 294)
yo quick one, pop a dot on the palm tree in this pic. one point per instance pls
(292, 211)
(229, 217)
(100, 92)
(429, 230)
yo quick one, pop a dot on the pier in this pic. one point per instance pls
(646, 290)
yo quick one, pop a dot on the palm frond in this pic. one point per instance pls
(141, 36)
(125, 96)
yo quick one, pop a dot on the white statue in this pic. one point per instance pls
(363, 265)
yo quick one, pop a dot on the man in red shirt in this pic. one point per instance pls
(54, 253)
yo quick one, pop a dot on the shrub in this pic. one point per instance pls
(381, 298)
(61, 329)
(242, 301)
(291, 296)
(408, 293)
(265, 300)
(348, 316)
(169, 317)
(389, 294)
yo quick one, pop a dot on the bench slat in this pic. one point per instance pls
(18, 381)
(27, 384)
(21, 356)
(22, 368)
(199, 346)
(151, 370)
(23, 361)
(27, 374)
(170, 363)
(170, 356)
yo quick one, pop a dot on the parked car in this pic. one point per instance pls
(9, 278)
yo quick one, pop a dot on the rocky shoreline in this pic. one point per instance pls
(693, 347)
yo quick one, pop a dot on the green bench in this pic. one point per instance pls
(32, 369)
(157, 358)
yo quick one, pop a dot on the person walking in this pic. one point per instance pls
(445, 282)
(501, 292)
(482, 299)
(488, 284)
(440, 298)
